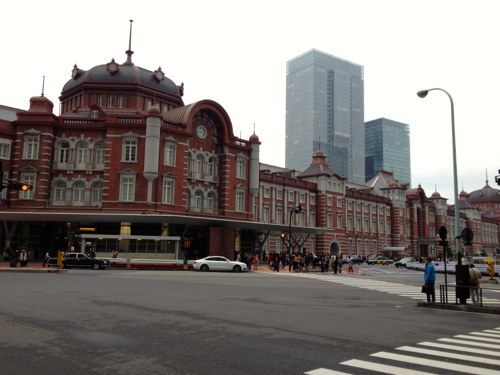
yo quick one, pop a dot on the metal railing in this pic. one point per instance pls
(443, 293)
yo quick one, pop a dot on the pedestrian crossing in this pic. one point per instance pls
(481, 350)
(403, 290)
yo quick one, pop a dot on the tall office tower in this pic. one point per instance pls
(387, 147)
(325, 109)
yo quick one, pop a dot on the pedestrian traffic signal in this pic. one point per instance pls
(491, 269)
(19, 186)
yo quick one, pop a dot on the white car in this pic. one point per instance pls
(218, 263)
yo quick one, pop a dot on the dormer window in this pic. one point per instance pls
(94, 113)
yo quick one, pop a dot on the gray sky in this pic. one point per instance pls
(235, 53)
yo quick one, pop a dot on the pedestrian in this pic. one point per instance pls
(430, 278)
(47, 257)
(23, 258)
(255, 262)
(474, 276)
(14, 258)
(7, 256)
(335, 264)
(276, 261)
(92, 252)
(114, 254)
(271, 259)
(351, 263)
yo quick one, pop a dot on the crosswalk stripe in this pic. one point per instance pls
(494, 362)
(492, 331)
(484, 334)
(476, 338)
(471, 343)
(324, 371)
(436, 364)
(460, 348)
(382, 368)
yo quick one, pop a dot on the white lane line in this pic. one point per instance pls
(487, 361)
(476, 338)
(460, 348)
(471, 343)
(383, 368)
(484, 334)
(436, 364)
(324, 371)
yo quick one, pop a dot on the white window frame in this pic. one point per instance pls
(312, 199)
(28, 178)
(339, 221)
(302, 198)
(168, 190)
(78, 193)
(100, 154)
(291, 196)
(31, 146)
(96, 192)
(129, 152)
(240, 201)
(279, 215)
(94, 113)
(100, 100)
(111, 101)
(329, 200)
(170, 151)
(121, 101)
(4, 149)
(339, 202)
(127, 187)
(63, 154)
(267, 192)
(60, 192)
(240, 168)
(279, 194)
(329, 220)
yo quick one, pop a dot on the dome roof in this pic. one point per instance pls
(125, 74)
(254, 138)
(485, 194)
(435, 195)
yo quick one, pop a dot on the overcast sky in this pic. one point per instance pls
(235, 53)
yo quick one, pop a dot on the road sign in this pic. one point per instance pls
(494, 253)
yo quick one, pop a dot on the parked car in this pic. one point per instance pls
(402, 262)
(218, 263)
(355, 260)
(80, 260)
(380, 260)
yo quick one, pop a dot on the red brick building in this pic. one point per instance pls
(128, 165)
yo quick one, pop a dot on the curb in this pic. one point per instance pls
(32, 270)
(463, 308)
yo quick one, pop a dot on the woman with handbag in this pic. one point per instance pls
(430, 279)
(474, 276)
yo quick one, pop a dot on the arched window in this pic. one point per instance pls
(97, 193)
(197, 201)
(78, 193)
(60, 193)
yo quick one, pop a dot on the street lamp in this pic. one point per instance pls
(461, 272)
(423, 94)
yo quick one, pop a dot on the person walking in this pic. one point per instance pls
(430, 279)
(335, 264)
(14, 258)
(47, 257)
(255, 262)
(351, 263)
(474, 276)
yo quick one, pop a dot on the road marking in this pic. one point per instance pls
(484, 334)
(476, 338)
(473, 343)
(494, 362)
(382, 368)
(460, 348)
(492, 331)
(436, 364)
(324, 371)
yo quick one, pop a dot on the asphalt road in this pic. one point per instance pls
(182, 322)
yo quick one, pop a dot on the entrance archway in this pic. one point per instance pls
(334, 248)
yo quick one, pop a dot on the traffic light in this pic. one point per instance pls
(69, 226)
(491, 269)
(14, 185)
(297, 209)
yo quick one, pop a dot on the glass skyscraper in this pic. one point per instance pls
(387, 147)
(325, 109)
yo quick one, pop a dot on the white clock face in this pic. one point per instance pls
(112, 67)
(201, 132)
(159, 75)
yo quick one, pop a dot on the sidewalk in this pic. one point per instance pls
(265, 268)
(32, 267)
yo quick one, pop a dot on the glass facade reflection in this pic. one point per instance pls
(387, 147)
(325, 109)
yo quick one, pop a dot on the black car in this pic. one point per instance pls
(80, 260)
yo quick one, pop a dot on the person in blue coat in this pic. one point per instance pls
(430, 279)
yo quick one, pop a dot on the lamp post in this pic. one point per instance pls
(423, 94)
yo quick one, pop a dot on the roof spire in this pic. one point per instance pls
(43, 85)
(319, 143)
(253, 128)
(487, 184)
(129, 52)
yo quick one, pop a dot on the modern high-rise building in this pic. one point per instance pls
(325, 109)
(387, 147)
